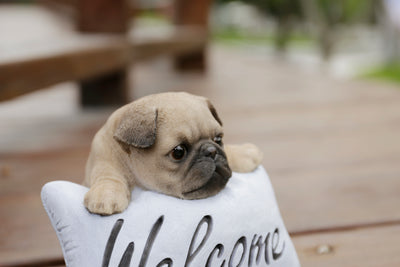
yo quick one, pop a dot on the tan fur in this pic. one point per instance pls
(120, 160)
(243, 158)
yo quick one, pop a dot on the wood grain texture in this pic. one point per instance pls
(89, 57)
(331, 148)
(194, 13)
(104, 16)
(364, 247)
(26, 233)
(181, 40)
(79, 62)
(107, 16)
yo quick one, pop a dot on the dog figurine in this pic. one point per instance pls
(170, 143)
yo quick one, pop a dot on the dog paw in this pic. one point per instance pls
(244, 158)
(107, 199)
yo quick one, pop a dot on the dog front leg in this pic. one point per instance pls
(107, 195)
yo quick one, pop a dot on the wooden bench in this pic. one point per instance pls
(99, 62)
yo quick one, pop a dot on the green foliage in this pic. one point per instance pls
(386, 73)
(278, 8)
(325, 14)
(333, 11)
(235, 36)
(274, 8)
(151, 18)
(344, 11)
(232, 35)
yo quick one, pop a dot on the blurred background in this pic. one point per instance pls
(314, 83)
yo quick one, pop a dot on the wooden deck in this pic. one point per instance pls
(331, 148)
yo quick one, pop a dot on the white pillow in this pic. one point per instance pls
(240, 226)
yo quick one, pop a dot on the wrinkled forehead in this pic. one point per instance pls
(186, 122)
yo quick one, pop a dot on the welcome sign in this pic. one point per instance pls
(240, 226)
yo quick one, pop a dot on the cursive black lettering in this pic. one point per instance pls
(193, 252)
(259, 244)
(150, 240)
(126, 258)
(276, 255)
(272, 244)
(168, 262)
(111, 242)
(243, 242)
(220, 249)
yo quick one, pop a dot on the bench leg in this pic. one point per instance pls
(104, 16)
(192, 13)
(106, 90)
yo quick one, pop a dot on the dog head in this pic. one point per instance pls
(172, 143)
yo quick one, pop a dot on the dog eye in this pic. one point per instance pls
(178, 152)
(218, 139)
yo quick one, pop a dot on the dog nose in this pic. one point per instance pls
(211, 152)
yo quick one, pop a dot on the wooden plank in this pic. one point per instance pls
(104, 16)
(88, 57)
(84, 61)
(370, 246)
(110, 89)
(325, 148)
(28, 172)
(70, 56)
(342, 174)
(274, 84)
(194, 13)
(182, 40)
(26, 235)
(107, 16)
(329, 199)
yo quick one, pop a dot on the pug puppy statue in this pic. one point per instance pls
(170, 143)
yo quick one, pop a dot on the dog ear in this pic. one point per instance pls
(137, 128)
(214, 112)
